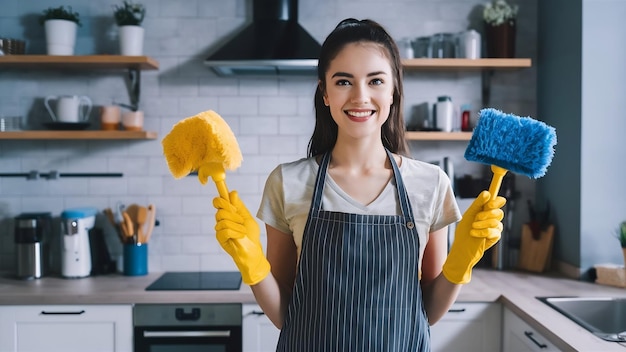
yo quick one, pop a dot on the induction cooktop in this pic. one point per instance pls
(197, 280)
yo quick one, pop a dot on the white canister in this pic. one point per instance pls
(468, 44)
(444, 114)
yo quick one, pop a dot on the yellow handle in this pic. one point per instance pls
(218, 174)
(221, 188)
(496, 181)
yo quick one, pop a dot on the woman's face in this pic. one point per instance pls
(359, 90)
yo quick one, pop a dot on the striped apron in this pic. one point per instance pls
(357, 285)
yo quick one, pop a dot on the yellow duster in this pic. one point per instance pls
(203, 143)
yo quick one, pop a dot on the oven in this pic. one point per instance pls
(187, 327)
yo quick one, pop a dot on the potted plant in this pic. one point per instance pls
(60, 24)
(621, 236)
(129, 17)
(500, 24)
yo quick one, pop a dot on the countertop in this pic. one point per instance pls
(514, 290)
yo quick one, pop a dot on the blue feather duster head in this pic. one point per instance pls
(519, 144)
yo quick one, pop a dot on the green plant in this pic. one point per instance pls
(60, 13)
(497, 12)
(129, 14)
(621, 234)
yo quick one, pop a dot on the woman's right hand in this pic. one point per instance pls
(239, 235)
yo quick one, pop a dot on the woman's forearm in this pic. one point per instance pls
(438, 297)
(272, 299)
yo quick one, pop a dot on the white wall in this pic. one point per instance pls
(603, 191)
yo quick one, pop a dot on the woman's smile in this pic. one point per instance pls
(359, 115)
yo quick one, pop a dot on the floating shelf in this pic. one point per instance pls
(66, 135)
(438, 136)
(93, 62)
(466, 64)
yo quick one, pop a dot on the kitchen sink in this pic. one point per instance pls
(605, 317)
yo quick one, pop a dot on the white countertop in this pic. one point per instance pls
(515, 290)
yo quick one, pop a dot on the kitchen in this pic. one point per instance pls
(272, 118)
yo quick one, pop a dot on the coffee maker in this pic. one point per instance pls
(75, 248)
(31, 237)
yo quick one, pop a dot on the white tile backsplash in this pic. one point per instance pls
(272, 117)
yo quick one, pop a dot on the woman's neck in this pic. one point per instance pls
(359, 155)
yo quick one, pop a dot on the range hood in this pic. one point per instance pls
(273, 44)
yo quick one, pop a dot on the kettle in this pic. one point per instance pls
(75, 247)
(31, 232)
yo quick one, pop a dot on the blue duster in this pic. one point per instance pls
(509, 142)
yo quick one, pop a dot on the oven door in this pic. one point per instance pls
(187, 328)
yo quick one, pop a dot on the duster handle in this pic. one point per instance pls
(496, 181)
(222, 189)
(218, 174)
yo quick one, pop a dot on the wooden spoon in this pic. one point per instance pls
(142, 215)
(150, 221)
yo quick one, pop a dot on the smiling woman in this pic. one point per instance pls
(357, 229)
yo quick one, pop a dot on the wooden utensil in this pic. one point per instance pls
(129, 228)
(140, 220)
(132, 211)
(150, 221)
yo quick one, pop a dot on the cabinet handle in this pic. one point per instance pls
(256, 312)
(43, 312)
(529, 334)
(212, 333)
(456, 310)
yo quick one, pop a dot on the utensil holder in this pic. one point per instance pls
(135, 259)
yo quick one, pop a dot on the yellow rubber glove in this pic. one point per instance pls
(239, 235)
(479, 229)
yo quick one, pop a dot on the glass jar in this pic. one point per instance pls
(442, 45)
(405, 45)
(421, 47)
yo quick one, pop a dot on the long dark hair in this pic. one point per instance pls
(350, 31)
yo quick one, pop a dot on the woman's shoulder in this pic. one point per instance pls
(297, 165)
(294, 169)
(413, 165)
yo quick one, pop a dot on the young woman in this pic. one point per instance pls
(357, 254)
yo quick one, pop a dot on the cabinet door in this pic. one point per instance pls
(468, 327)
(259, 333)
(518, 336)
(102, 328)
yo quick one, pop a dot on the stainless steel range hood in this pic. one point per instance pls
(273, 44)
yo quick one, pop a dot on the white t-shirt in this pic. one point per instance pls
(289, 190)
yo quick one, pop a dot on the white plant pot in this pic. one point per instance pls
(131, 40)
(60, 37)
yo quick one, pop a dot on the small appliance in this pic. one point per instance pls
(31, 234)
(75, 248)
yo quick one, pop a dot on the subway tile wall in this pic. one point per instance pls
(271, 117)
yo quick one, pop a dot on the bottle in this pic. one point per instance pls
(465, 118)
(444, 113)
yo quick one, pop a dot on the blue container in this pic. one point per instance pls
(136, 259)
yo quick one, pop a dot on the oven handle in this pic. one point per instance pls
(213, 333)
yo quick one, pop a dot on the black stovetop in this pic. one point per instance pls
(197, 280)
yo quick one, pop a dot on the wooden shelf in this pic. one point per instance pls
(466, 64)
(83, 62)
(438, 136)
(92, 134)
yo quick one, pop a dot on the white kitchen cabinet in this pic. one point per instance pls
(468, 327)
(518, 336)
(259, 333)
(66, 328)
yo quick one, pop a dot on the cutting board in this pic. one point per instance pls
(536, 254)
